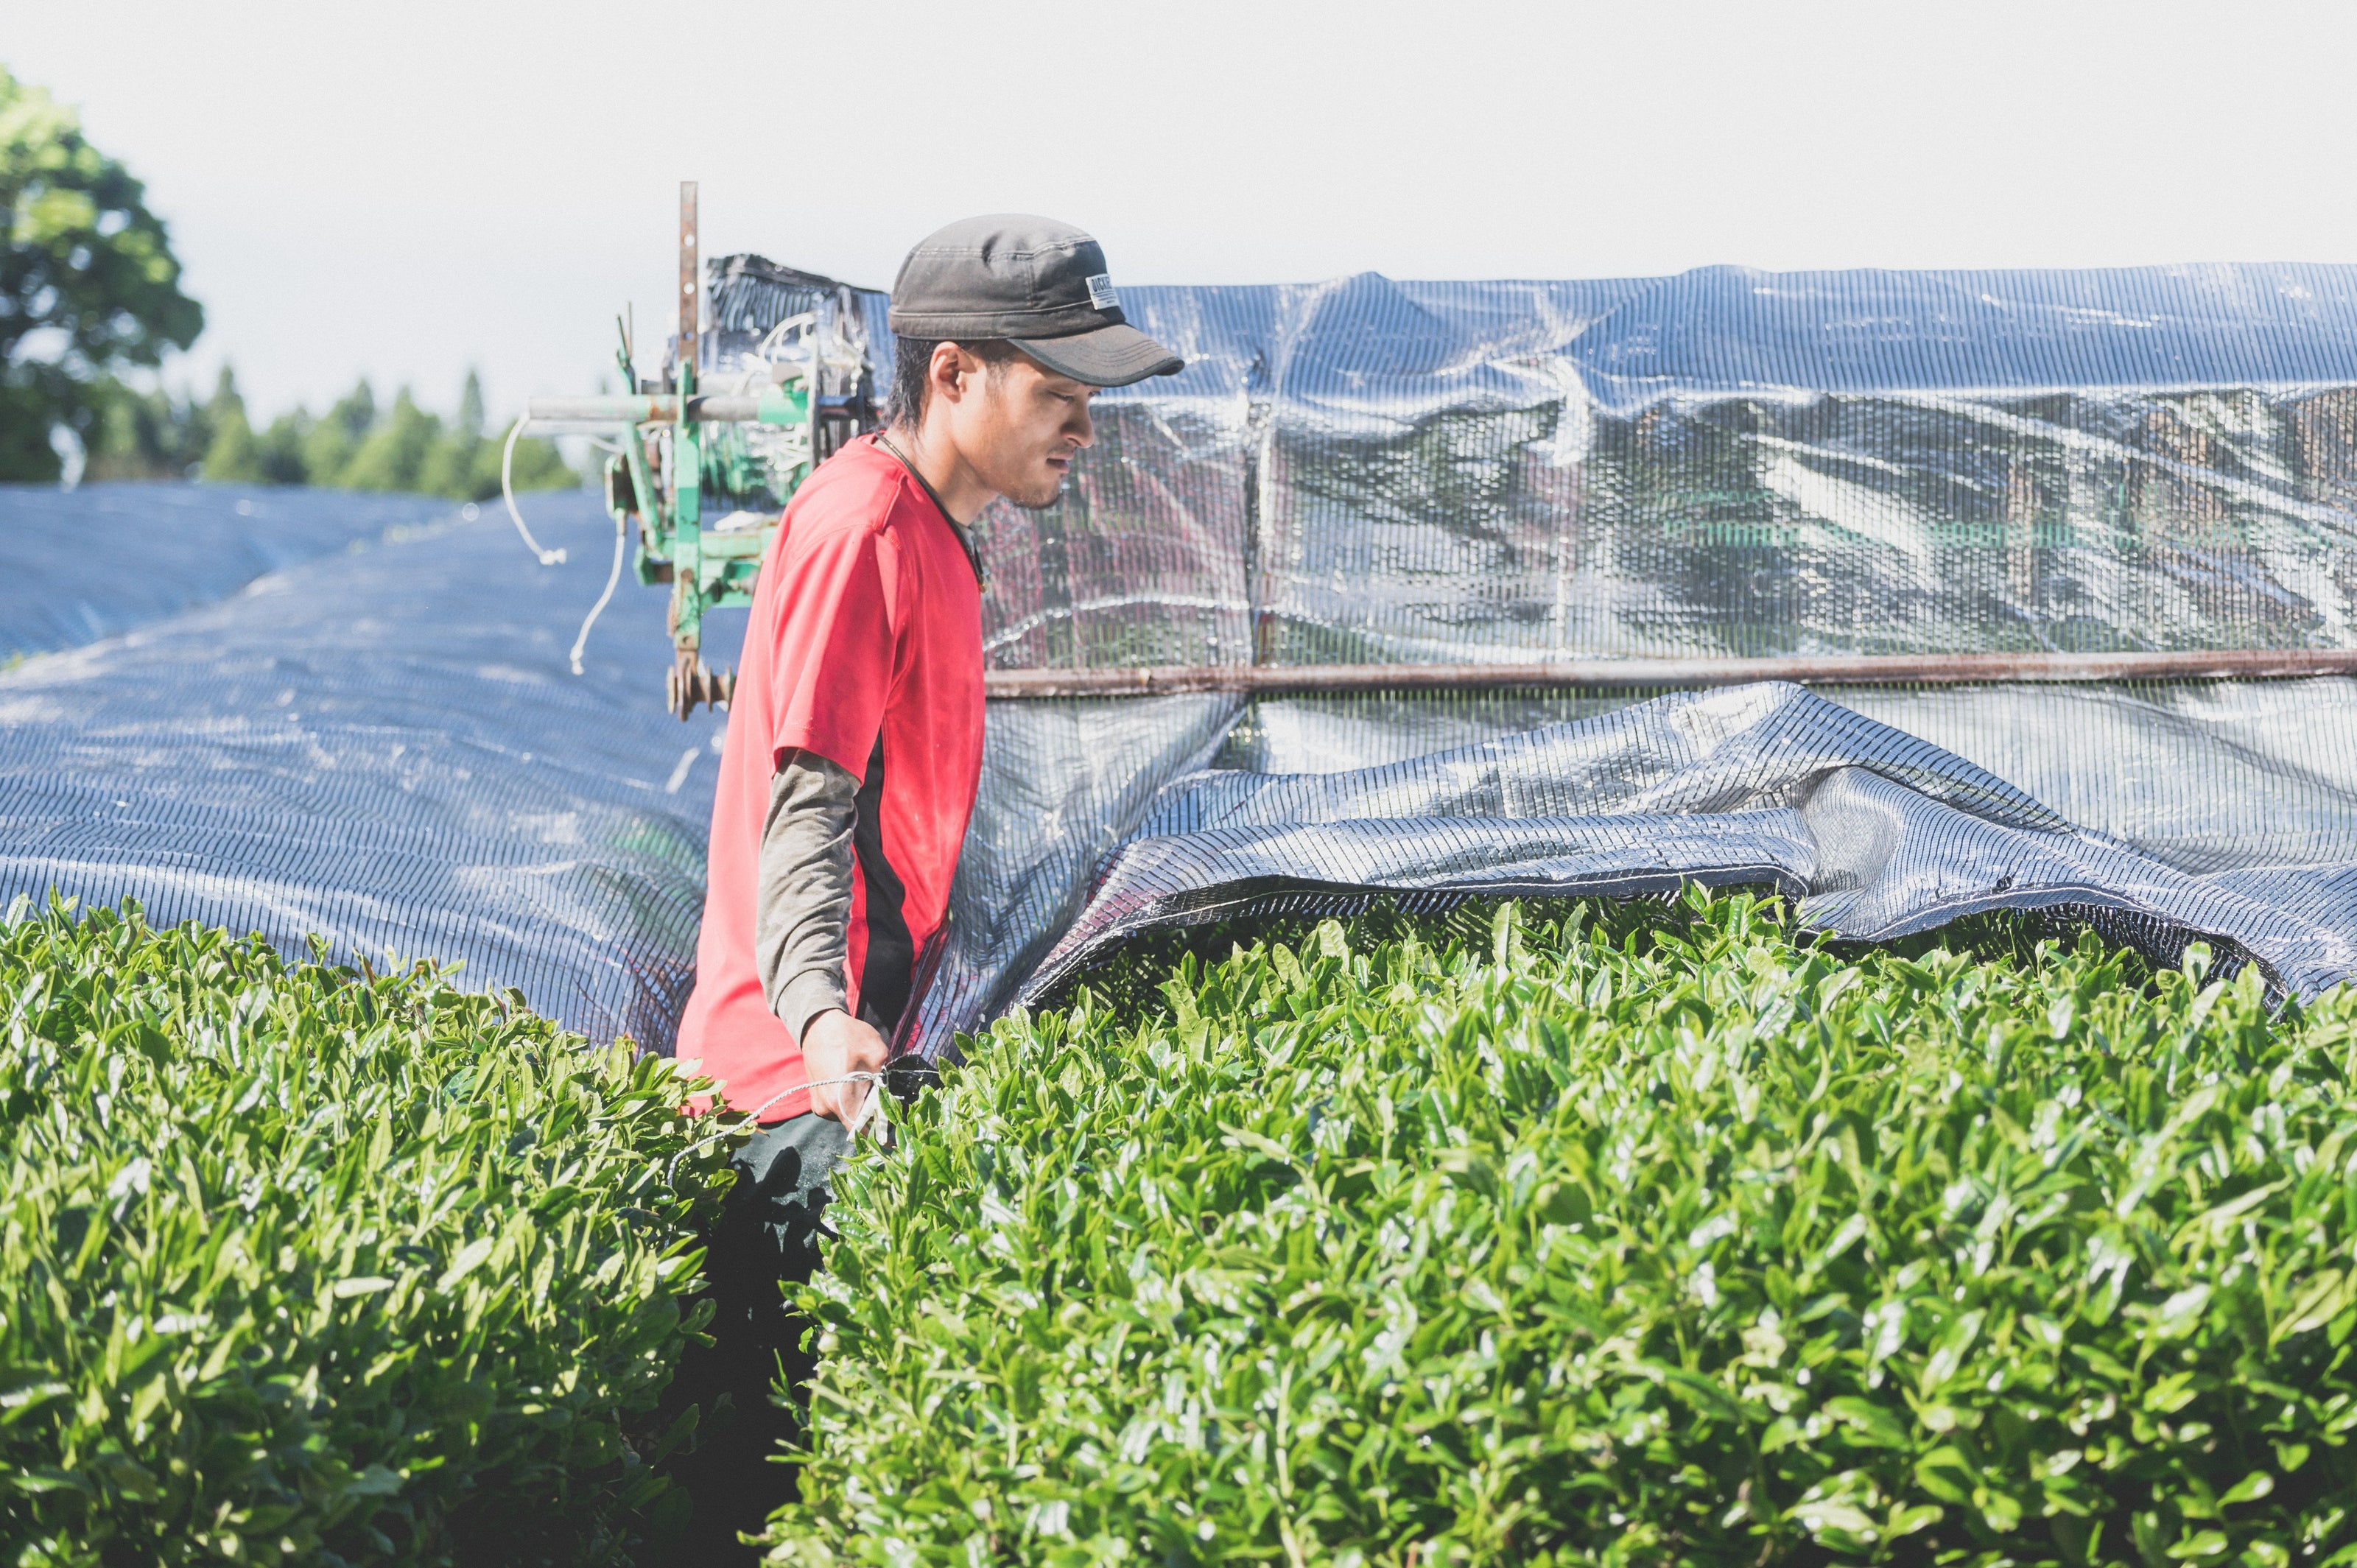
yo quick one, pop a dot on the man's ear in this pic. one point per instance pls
(948, 363)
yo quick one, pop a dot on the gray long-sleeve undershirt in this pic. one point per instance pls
(801, 927)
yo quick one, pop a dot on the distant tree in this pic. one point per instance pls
(466, 463)
(156, 435)
(470, 405)
(395, 456)
(450, 469)
(144, 436)
(233, 457)
(538, 468)
(282, 448)
(88, 281)
(356, 412)
(538, 465)
(329, 445)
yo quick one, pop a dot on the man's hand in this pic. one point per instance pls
(835, 1045)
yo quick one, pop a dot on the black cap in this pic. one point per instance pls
(1032, 282)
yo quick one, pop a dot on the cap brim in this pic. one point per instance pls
(1107, 357)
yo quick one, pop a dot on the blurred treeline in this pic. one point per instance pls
(358, 444)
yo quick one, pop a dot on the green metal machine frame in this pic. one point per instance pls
(677, 443)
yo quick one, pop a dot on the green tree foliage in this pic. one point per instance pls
(394, 455)
(145, 436)
(299, 1264)
(282, 462)
(357, 445)
(1666, 1241)
(88, 281)
(233, 456)
(327, 446)
(459, 456)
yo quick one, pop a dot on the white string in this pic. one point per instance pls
(506, 489)
(613, 575)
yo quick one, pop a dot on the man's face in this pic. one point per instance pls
(1017, 426)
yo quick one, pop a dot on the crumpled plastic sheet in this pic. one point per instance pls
(382, 747)
(1875, 833)
(1063, 784)
(2203, 776)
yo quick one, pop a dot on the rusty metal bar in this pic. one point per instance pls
(1626, 674)
(691, 284)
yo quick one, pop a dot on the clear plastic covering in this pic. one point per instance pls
(1722, 463)
(384, 747)
(769, 324)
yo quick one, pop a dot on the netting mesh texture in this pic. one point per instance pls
(1722, 462)
(79, 566)
(383, 745)
(1876, 833)
(1725, 463)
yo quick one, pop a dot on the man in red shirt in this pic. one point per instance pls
(854, 751)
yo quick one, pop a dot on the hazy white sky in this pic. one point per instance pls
(402, 190)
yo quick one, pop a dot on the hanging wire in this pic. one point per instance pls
(506, 489)
(613, 575)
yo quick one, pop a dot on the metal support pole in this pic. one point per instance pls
(687, 478)
(779, 405)
(691, 284)
(1670, 674)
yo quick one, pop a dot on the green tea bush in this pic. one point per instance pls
(1691, 1245)
(301, 1265)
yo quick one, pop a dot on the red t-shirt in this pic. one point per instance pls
(865, 646)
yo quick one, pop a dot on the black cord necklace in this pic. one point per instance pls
(964, 535)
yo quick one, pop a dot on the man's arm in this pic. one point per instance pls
(801, 929)
(803, 924)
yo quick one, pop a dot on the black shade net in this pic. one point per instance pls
(382, 746)
(78, 567)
